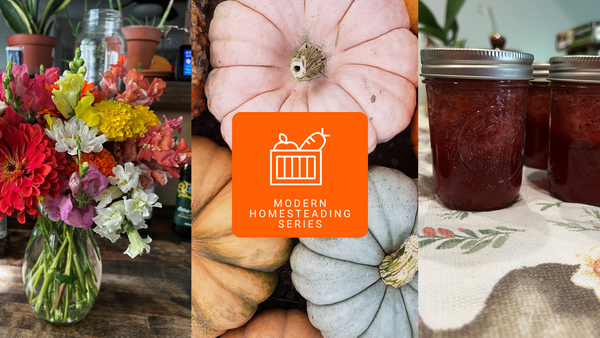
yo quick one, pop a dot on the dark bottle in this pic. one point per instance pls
(4, 240)
(182, 221)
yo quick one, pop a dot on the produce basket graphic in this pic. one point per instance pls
(292, 165)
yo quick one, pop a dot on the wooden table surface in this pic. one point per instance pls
(149, 296)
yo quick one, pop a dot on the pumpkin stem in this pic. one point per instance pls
(400, 267)
(308, 63)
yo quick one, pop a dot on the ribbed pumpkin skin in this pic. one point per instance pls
(230, 275)
(340, 277)
(371, 61)
(276, 323)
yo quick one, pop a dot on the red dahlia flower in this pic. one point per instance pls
(29, 167)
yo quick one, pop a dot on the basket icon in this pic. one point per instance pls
(292, 165)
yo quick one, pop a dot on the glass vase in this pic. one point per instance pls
(62, 271)
(100, 41)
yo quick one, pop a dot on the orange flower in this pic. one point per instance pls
(103, 160)
(52, 112)
(86, 87)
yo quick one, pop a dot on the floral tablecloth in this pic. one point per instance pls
(530, 270)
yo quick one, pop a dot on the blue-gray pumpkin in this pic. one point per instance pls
(366, 287)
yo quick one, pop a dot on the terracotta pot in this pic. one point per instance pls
(141, 45)
(37, 50)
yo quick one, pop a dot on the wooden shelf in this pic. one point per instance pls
(176, 96)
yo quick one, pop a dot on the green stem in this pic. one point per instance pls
(49, 275)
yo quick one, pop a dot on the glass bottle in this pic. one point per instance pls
(4, 239)
(101, 41)
(182, 220)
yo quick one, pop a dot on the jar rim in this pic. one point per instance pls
(471, 63)
(575, 68)
(96, 13)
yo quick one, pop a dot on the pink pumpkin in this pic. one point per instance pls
(314, 55)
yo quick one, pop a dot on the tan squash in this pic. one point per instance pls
(276, 323)
(230, 275)
(211, 171)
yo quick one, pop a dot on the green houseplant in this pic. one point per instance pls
(447, 34)
(142, 40)
(31, 27)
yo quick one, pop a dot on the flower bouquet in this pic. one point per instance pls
(80, 159)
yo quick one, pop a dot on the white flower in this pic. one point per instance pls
(109, 219)
(113, 191)
(588, 275)
(126, 177)
(3, 106)
(139, 206)
(65, 135)
(137, 244)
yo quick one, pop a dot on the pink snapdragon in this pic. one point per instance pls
(138, 91)
(33, 93)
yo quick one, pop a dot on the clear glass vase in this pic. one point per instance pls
(62, 271)
(101, 41)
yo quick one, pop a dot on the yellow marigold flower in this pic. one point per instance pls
(119, 121)
(66, 97)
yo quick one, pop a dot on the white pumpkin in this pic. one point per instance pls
(366, 287)
(314, 56)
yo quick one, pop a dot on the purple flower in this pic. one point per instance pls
(77, 217)
(74, 183)
(94, 182)
(53, 207)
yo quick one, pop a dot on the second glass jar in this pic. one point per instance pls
(574, 161)
(538, 119)
(476, 103)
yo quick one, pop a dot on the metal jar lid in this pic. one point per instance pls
(575, 68)
(482, 64)
(541, 71)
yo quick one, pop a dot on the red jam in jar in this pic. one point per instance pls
(537, 123)
(574, 163)
(477, 126)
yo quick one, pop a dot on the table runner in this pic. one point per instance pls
(523, 271)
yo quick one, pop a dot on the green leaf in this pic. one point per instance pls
(452, 9)
(499, 241)
(470, 233)
(15, 17)
(507, 229)
(469, 244)
(451, 243)
(426, 242)
(435, 32)
(426, 17)
(479, 246)
(459, 43)
(489, 232)
(48, 28)
(53, 7)
(65, 278)
(454, 34)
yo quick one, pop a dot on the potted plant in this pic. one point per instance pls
(31, 29)
(142, 40)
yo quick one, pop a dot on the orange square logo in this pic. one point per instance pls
(300, 174)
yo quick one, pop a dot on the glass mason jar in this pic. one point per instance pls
(101, 41)
(574, 159)
(537, 124)
(62, 271)
(476, 103)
